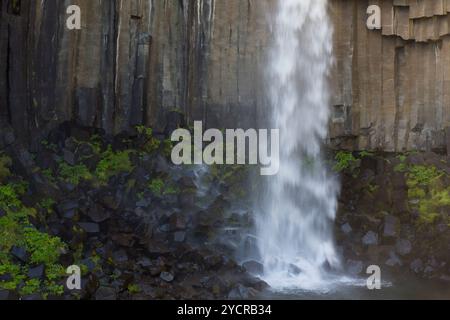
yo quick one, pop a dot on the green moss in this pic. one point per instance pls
(156, 186)
(31, 286)
(171, 190)
(49, 146)
(53, 288)
(167, 147)
(47, 204)
(422, 175)
(74, 174)
(113, 163)
(366, 154)
(416, 193)
(15, 272)
(48, 174)
(145, 131)
(43, 247)
(426, 185)
(5, 164)
(8, 196)
(402, 166)
(346, 161)
(16, 230)
(134, 288)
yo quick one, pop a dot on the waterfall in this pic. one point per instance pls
(296, 213)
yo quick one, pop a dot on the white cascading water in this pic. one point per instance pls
(294, 229)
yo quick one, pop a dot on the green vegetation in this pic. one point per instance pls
(156, 186)
(159, 188)
(152, 144)
(346, 162)
(422, 175)
(113, 163)
(74, 174)
(5, 163)
(134, 288)
(40, 248)
(426, 191)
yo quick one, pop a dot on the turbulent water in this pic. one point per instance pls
(294, 229)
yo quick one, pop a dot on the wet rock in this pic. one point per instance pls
(443, 228)
(143, 203)
(294, 270)
(393, 260)
(123, 239)
(69, 157)
(161, 165)
(84, 150)
(45, 160)
(157, 248)
(120, 256)
(390, 226)
(254, 267)
(148, 290)
(355, 267)
(110, 201)
(179, 236)
(403, 247)
(167, 276)
(6, 277)
(417, 266)
(429, 270)
(144, 262)
(445, 278)
(213, 261)
(187, 200)
(4, 295)
(178, 222)
(89, 263)
(98, 214)
(242, 293)
(68, 209)
(89, 227)
(106, 293)
(33, 297)
(19, 253)
(346, 228)
(36, 272)
(371, 238)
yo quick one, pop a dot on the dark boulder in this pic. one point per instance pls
(36, 272)
(253, 267)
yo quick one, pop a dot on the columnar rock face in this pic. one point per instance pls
(133, 61)
(392, 86)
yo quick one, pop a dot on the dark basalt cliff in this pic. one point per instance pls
(134, 60)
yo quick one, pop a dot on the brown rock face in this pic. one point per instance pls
(391, 86)
(131, 63)
(135, 60)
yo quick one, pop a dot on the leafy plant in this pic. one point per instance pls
(5, 164)
(134, 288)
(113, 163)
(422, 175)
(74, 174)
(156, 186)
(346, 161)
(31, 286)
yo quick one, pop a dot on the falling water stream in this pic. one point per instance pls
(294, 229)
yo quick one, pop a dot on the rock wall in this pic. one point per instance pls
(135, 60)
(131, 63)
(392, 86)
